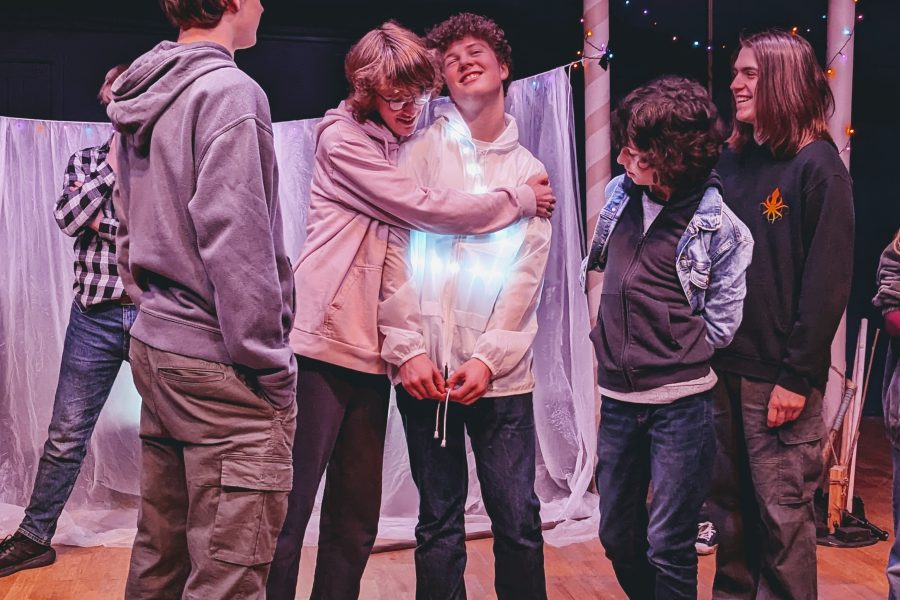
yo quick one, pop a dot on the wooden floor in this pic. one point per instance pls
(578, 571)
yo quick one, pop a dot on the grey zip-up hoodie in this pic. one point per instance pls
(200, 239)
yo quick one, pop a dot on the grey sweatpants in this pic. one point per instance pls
(215, 476)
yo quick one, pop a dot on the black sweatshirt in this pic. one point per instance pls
(800, 212)
(646, 334)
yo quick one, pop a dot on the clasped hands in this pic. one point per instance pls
(422, 379)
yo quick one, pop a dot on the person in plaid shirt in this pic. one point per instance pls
(96, 344)
(85, 212)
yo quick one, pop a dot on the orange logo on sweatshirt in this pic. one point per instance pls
(774, 206)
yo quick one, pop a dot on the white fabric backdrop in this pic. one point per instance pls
(36, 292)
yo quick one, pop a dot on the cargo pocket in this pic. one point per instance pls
(800, 458)
(251, 508)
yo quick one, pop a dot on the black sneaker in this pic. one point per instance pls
(18, 553)
(707, 538)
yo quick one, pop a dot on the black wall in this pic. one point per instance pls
(53, 54)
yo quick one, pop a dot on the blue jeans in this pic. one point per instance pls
(96, 344)
(893, 564)
(673, 445)
(501, 431)
(891, 405)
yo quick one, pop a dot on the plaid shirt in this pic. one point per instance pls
(87, 190)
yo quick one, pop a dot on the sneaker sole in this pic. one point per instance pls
(41, 560)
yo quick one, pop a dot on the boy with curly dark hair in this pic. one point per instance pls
(459, 326)
(463, 25)
(674, 258)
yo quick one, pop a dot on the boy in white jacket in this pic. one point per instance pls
(459, 318)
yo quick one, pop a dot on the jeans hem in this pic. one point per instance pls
(34, 538)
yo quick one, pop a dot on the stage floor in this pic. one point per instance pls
(577, 572)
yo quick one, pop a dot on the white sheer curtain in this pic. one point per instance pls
(36, 291)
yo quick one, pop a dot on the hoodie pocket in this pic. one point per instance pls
(352, 316)
(651, 331)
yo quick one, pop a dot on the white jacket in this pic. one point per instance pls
(459, 297)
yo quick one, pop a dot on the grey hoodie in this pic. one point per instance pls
(200, 241)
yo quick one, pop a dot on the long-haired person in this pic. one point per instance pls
(784, 178)
(357, 192)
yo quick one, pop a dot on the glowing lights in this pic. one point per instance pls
(794, 30)
(846, 31)
(830, 72)
(437, 265)
(850, 131)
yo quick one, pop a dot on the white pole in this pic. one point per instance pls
(596, 128)
(598, 166)
(841, 23)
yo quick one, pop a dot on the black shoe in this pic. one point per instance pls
(18, 553)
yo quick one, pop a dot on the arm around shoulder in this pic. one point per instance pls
(365, 180)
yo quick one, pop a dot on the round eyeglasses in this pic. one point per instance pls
(399, 104)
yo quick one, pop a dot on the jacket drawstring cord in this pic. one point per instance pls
(446, 410)
(437, 413)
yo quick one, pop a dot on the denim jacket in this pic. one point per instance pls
(711, 259)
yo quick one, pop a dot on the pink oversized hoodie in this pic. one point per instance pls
(356, 193)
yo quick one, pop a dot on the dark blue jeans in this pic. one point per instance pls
(96, 344)
(672, 445)
(891, 405)
(501, 431)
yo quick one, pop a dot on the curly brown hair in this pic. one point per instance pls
(186, 14)
(673, 122)
(388, 56)
(442, 36)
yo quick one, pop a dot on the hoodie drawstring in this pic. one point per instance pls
(437, 413)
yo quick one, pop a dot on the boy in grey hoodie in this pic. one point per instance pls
(201, 253)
